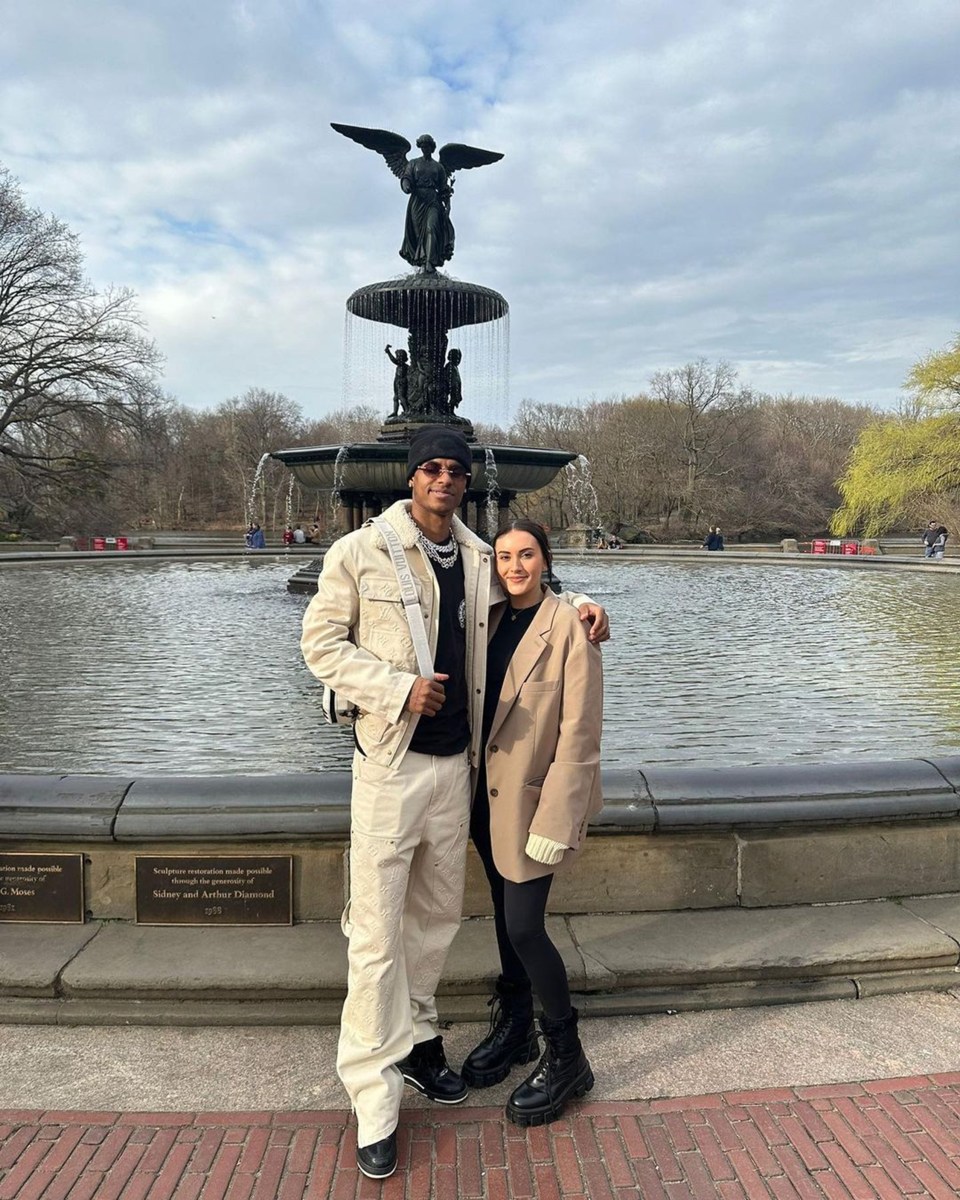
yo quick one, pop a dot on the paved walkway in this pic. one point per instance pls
(738, 1104)
(885, 1139)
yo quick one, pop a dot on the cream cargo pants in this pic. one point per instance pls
(408, 840)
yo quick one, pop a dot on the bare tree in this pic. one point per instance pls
(73, 361)
(704, 405)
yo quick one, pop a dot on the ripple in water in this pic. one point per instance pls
(195, 668)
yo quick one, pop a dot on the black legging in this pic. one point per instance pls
(519, 909)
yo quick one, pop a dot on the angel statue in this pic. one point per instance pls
(428, 235)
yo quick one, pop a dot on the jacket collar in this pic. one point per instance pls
(525, 657)
(408, 531)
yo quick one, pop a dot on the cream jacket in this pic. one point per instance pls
(543, 752)
(357, 640)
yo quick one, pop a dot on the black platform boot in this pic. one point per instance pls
(512, 1037)
(562, 1074)
(426, 1069)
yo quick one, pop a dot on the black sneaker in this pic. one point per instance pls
(379, 1159)
(425, 1068)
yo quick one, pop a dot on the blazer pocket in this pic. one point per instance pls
(540, 685)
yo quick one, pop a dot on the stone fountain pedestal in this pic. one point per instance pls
(368, 477)
(577, 537)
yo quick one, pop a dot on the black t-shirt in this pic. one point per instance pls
(513, 625)
(449, 731)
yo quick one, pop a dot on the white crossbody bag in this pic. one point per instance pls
(339, 712)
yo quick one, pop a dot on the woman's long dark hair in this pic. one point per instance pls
(536, 531)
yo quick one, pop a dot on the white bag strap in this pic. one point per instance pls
(408, 593)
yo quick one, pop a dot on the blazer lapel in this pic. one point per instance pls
(525, 658)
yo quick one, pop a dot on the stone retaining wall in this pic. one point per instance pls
(668, 838)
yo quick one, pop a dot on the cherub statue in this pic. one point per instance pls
(400, 378)
(452, 385)
(428, 235)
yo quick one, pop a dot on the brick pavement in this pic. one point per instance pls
(872, 1141)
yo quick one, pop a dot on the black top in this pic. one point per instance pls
(513, 625)
(449, 731)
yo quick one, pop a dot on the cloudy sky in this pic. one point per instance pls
(771, 182)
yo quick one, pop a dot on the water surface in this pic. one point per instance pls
(194, 667)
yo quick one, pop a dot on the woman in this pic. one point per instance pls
(538, 787)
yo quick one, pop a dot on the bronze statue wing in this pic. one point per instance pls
(392, 146)
(455, 157)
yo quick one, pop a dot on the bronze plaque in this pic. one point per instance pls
(215, 890)
(42, 887)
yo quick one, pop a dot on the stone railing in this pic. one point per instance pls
(668, 837)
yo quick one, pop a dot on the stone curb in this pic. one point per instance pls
(196, 807)
(109, 972)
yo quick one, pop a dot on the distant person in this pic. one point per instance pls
(299, 536)
(940, 545)
(255, 539)
(714, 539)
(287, 535)
(929, 539)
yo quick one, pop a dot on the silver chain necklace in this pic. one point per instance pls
(445, 554)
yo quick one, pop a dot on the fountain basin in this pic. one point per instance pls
(381, 468)
(427, 301)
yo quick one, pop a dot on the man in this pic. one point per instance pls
(929, 539)
(417, 741)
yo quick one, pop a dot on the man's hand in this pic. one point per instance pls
(596, 615)
(427, 696)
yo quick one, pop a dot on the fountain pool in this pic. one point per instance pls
(176, 667)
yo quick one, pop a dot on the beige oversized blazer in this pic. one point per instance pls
(543, 752)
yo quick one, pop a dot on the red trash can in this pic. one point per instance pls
(99, 543)
(820, 546)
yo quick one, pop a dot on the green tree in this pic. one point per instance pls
(907, 468)
(934, 381)
(903, 469)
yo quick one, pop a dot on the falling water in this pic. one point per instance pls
(288, 507)
(493, 495)
(583, 495)
(338, 469)
(483, 339)
(251, 505)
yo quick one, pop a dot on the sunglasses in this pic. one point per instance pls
(434, 471)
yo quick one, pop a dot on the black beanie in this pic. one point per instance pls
(438, 441)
